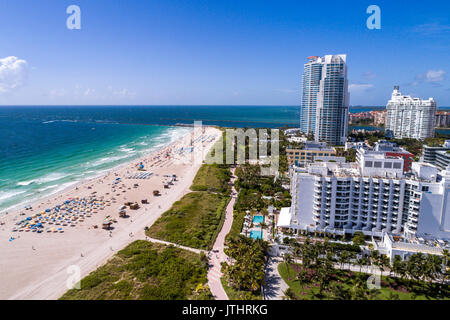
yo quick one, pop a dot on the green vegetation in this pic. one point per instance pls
(415, 146)
(347, 285)
(412, 145)
(196, 219)
(193, 221)
(421, 277)
(213, 178)
(350, 154)
(245, 276)
(252, 186)
(146, 271)
(359, 238)
(234, 294)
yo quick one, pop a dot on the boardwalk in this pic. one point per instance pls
(217, 256)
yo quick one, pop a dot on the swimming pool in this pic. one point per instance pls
(258, 219)
(254, 234)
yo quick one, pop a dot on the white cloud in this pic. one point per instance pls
(435, 75)
(13, 73)
(356, 87)
(431, 76)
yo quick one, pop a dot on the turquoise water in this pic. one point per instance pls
(258, 219)
(256, 234)
(39, 158)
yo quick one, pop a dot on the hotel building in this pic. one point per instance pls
(309, 153)
(438, 156)
(373, 196)
(388, 149)
(325, 99)
(409, 117)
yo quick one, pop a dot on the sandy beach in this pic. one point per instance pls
(36, 261)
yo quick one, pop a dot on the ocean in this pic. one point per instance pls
(46, 149)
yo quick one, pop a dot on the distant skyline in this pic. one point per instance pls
(232, 52)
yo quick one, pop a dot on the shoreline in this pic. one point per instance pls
(5, 212)
(35, 265)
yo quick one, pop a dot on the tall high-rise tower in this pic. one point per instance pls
(325, 99)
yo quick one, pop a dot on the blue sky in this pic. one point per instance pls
(217, 52)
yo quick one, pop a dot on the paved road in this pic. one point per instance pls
(275, 285)
(216, 258)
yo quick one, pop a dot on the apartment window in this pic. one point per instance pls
(388, 165)
(377, 164)
(425, 188)
(397, 165)
(369, 164)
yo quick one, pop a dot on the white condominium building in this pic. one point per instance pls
(325, 99)
(409, 117)
(373, 196)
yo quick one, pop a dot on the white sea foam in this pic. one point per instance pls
(4, 195)
(107, 160)
(25, 183)
(54, 176)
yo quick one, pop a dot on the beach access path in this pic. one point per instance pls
(43, 266)
(217, 255)
(198, 251)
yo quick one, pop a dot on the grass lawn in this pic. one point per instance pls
(405, 291)
(238, 222)
(234, 294)
(145, 271)
(194, 221)
(213, 178)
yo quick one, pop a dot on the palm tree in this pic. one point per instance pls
(398, 266)
(385, 263)
(289, 294)
(361, 262)
(445, 260)
(288, 261)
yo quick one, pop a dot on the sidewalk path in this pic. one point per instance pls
(198, 251)
(217, 256)
(275, 285)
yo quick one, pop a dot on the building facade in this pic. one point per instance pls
(325, 99)
(391, 149)
(443, 119)
(374, 198)
(379, 118)
(309, 153)
(409, 117)
(438, 156)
